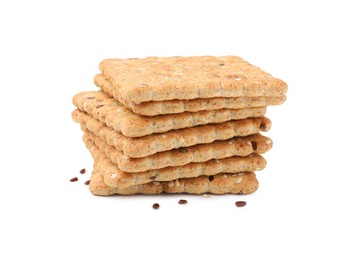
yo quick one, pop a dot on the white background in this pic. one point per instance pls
(50, 50)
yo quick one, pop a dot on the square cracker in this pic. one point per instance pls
(242, 146)
(114, 177)
(155, 143)
(152, 108)
(224, 183)
(116, 116)
(169, 78)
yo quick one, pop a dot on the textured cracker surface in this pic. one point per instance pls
(152, 144)
(221, 183)
(114, 177)
(242, 146)
(116, 116)
(159, 78)
(153, 108)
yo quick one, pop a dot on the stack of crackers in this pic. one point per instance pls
(177, 125)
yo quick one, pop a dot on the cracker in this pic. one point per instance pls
(159, 78)
(242, 146)
(114, 177)
(153, 108)
(116, 116)
(152, 144)
(224, 183)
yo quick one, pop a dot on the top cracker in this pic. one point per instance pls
(158, 79)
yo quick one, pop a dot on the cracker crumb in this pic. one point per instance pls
(206, 196)
(113, 176)
(171, 184)
(225, 176)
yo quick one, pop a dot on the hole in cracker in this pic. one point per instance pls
(210, 178)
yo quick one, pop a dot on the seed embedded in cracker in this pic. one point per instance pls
(182, 202)
(156, 206)
(254, 145)
(182, 150)
(211, 178)
(83, 171)
(74, 179)
(263, 127)
(240, 203)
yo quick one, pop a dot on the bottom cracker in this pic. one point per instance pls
(242, 183)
